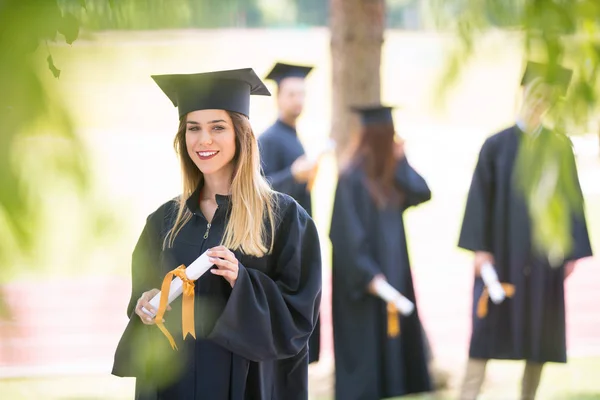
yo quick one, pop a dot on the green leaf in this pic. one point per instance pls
(69, 27)
(45, 21)
(111, 3)
(55, 71)
(82, 3)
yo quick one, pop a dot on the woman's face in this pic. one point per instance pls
(210, 141)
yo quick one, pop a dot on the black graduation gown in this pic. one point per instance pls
(367, 241)
(531, 325)
(252, 339)
(279, 148)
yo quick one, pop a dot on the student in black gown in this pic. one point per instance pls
(283, 159)
(255, 309)
(530, 325)
(369, 243)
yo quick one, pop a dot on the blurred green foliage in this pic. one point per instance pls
(556, 32)
(551, 187)
(25, 106)
(41, 154)
(44, 166)
(167, 14)
(35, 127)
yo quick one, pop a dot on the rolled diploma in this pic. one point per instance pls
(490, 279)
(389, 294)
(194, 271)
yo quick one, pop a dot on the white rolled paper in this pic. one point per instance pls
(490, 279)
(314, 156)
(389, 294)
(194, 271)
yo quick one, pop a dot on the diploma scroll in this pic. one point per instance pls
(391, 295)
(194, 271)
(493, 285)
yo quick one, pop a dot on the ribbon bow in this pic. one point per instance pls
(482, 305)
(187, 320)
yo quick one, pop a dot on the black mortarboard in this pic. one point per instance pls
(555, 76)
(375, 114)
(281, 71)
(222, 90)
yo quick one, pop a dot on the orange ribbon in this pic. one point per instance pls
(482, 305)
(311, 181)
(393, 323)
(187, 311)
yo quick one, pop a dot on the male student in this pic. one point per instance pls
(528, 325)
(283, 158)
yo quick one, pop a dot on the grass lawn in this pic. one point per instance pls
(577, 380)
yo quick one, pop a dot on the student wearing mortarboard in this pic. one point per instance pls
(530, 325)
(378, 352)
(284, 162)
(255, 309)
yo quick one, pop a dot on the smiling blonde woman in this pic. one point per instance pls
(256, 308)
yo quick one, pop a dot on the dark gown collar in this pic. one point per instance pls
(542, 130)
(285, 127)
(193, 202)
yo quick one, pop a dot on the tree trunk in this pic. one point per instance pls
(357, 28)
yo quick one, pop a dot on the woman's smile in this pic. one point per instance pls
(206, 154)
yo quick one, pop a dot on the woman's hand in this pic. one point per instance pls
(144, 302)
(226, 263)
(399, 149)
(303, 169)
(569, 268)
(371, 287)
(481, 258)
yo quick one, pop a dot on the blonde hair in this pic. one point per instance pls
(252, 199)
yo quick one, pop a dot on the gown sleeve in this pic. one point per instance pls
(279, 174)
(270, 318)
(132, 357)
(144, 267)
(350, 239)
(581, 240)
(413, 185)
(475, 234)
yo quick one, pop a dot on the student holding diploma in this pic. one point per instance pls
(518, 297)
(378, 340)
(254, 311)
(285, 164)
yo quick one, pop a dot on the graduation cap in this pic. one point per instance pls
(375, 114)
(555, 75)
(281, 71)
(222, 90)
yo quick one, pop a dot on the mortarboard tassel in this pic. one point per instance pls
(393, 322)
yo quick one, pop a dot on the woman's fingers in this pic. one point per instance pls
(222, 252)
(146, 319)
(144, 303)
(226, 263)
(222, 263)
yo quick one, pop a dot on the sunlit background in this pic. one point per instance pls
(66, 300)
